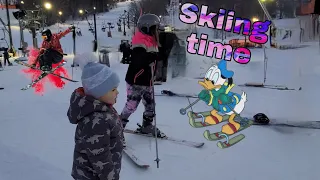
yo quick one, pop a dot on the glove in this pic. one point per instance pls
(33, 65)
(72, 28)
(204, 96)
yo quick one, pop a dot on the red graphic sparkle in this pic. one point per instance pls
(33, 74)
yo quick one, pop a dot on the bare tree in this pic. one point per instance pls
(134, 11)
(69, 8)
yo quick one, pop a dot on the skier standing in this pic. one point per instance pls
(126, 51)
(6, 57)
(51, 51)
(144, 52)
(98, 137)
(166, 43)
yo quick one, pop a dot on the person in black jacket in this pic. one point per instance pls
(126, 51)
(167, 40)
(6, 57)
(161, 73)
(139, 78)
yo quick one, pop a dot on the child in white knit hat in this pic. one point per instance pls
(99, 133)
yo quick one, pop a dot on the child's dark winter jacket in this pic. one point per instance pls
(144, 52)
(98, 138)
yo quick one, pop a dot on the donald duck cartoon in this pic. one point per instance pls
(217, 85)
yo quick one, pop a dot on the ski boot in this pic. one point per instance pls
(46, 68)
(148, 128)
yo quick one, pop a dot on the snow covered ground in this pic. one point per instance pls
(37, 139)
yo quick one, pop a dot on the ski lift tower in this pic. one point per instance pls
(173, 8)
(9, 4)
(33, 23)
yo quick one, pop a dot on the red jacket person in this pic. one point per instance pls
(51, 51)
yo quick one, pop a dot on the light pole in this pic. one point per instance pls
(123, 18)
(19, 15)
(266, 15)
(95, 45)
(47, 6)
(128, 18)
(134, 24)
(9, 26)
(60, 15)
(95, 30)
(265, 58)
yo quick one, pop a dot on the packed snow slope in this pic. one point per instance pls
(37, 139)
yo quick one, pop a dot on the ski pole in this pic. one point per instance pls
(183, 111)
(74, 48)
(152, 66)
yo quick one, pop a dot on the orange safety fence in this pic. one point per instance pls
(243, 43)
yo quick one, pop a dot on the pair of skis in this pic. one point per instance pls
(43, 74)
(217, 136)
(140, 163)
(273, 122)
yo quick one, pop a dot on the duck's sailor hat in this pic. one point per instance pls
(222, 65)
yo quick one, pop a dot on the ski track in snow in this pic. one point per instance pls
(37, 139)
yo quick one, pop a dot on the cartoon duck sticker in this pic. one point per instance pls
(226, 106)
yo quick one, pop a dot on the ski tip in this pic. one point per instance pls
(145, 166)
(220, 145)
(200, 145)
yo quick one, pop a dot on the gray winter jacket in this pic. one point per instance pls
(98, 138)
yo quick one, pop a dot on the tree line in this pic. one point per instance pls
(244, 8)
(248, 9)
(68, 8)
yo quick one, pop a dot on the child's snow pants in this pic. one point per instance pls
(135, 94)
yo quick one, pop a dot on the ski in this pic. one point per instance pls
(231, 141)
(28, 65)
(220, 135)
(42, 75)
(136, 160)
(170, 93)
(157, 83)
(306, 124)
(268, 87)
(71, 80)
(1, 88)
(228, 142)
(175, 140)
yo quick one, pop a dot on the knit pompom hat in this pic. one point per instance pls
(97, 79)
